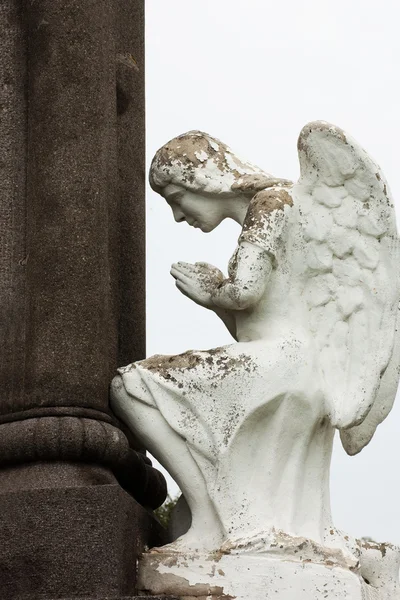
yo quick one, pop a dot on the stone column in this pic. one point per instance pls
(71, 297)
(131, 178)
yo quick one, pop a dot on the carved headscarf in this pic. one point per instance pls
(203, 164)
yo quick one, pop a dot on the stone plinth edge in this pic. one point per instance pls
(79, 543)
(247, 577)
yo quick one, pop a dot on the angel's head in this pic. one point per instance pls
(203, 181)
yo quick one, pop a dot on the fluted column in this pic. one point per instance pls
(71, 270)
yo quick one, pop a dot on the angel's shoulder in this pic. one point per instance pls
(267, 206)
(266, 217)
(269, 200)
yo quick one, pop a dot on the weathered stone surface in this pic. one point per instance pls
(71, 541)
(131, 179)
(71, 298)
(72, 201)
(245, 577)
(13, 140)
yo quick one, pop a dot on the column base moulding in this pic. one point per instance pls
(77, 439)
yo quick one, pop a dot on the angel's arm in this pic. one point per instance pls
(228, 319)
(197, 282)
(248, 281)
(258, 242)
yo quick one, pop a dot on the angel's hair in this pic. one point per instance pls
(202, 164)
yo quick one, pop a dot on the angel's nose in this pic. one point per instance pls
(178, 215)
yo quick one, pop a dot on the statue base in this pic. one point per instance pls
(247, 577)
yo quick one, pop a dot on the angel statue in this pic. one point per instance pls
(311, 300)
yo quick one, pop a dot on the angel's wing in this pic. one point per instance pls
(351, 283)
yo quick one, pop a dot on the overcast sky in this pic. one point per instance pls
(252, 73)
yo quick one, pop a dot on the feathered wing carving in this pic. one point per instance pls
(350, 278)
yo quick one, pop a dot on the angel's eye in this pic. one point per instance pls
(174, 198)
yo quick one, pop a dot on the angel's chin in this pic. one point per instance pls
(206, 228)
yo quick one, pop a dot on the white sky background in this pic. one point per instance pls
(252, 73)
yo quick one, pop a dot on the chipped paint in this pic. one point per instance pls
(247, 577)
(200, 163)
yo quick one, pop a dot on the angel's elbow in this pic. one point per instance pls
(346, 419)
(237, 297)
(342, 422)
(246, 298)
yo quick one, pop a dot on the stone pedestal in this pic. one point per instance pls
(71, 298)
(96, 531)
(248, 577)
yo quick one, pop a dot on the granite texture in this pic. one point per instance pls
(13, 141)
(72, 303)
(72, 217)
(71, 199)
(131, 179)
(76, 542)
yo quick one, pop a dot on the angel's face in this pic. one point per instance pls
(198, 211)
